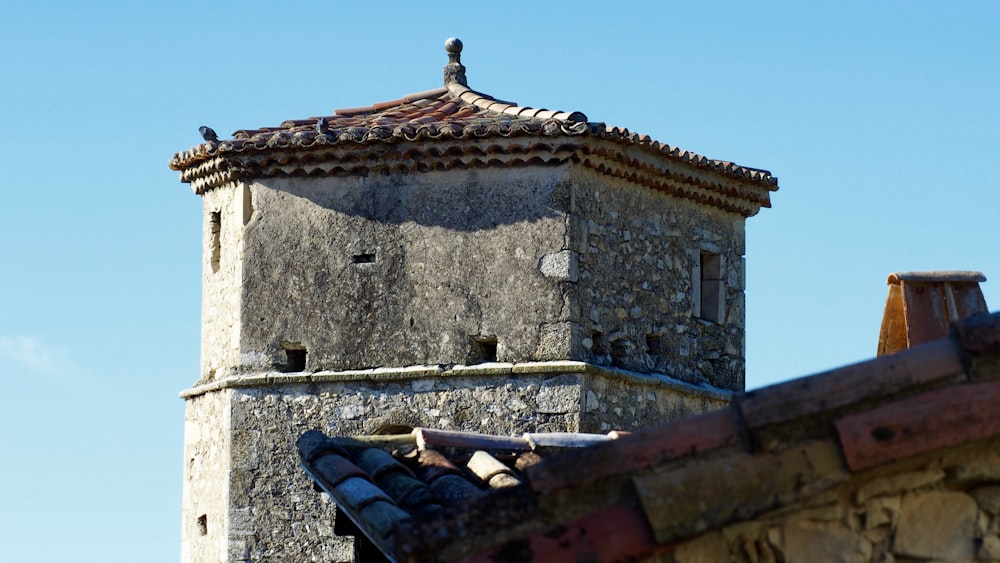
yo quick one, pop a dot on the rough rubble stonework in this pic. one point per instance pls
(394, 271)
(637, 250)
(207, 460)
(939, 507)
(222, 238)
(245, 481)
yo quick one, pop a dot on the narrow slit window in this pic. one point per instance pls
(363, 258)
(215, 238)
(203, 525)
(619, 352)
(711, 298)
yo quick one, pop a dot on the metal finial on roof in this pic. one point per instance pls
(454, 71)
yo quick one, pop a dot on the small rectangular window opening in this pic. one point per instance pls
(619, 352)
(215, 236)
(711, 287)
(363, 258)
(203, 525)
(295, 357)
(597, 344)
(654, 344)
(482, 349)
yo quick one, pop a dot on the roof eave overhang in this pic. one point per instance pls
(637, 161)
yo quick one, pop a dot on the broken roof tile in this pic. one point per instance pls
(491, 471)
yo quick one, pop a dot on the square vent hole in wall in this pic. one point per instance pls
(597, 345)
(619, 352)
(654, 344)
(295, 357)
(483, 349)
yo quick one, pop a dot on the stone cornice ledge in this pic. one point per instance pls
(270, 379)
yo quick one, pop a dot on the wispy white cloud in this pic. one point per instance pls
(32, 354)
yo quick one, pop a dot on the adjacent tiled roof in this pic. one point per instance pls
(653, 489)
(381, 482)
(446, 128)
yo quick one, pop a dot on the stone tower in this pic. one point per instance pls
(445, 260)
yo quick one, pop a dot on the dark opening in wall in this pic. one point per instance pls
(389, 429)
(711, 286)
(247, 204)
(203, 525)
(215, 238)
(654, 344)
(295, 357)
(597, 343)
(619, 352)
(362, 258)
(482, 349)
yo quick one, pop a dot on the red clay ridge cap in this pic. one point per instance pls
(379, 106)
(656, 445)
(489, 103)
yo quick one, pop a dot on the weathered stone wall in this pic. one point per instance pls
(637, 250)
(544, 263)
(205, 529)
(243, 470)
(222, 277)
(400, 270)
(274, 512)
(620, 401)
(943, 509)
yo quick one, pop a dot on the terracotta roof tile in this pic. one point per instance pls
(979, 336)
(332, 464)
(620, 533)
(492, 472)
(643, 449)
(920, 424)
(844, 386)
(457, 114)
(419, 478)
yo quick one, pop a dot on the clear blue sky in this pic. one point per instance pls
(880, 120)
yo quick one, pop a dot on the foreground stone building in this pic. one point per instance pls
(452, 261)
(892, 459)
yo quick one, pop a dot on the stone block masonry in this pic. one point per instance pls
(305, 274)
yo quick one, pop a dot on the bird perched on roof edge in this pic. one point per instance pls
(322, 126)
(208, 134)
